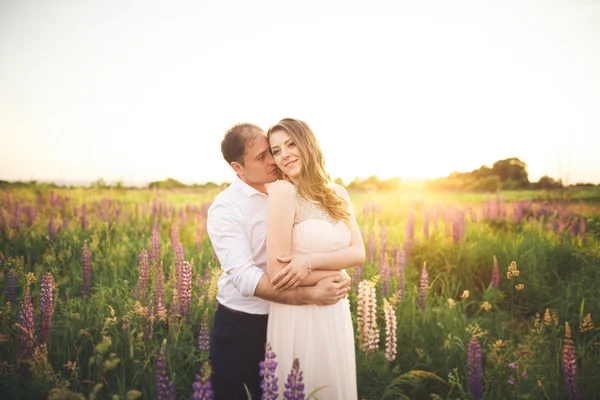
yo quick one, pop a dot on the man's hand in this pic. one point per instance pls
(292, 275)
(330, 290)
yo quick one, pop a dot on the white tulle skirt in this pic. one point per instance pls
(322, 338)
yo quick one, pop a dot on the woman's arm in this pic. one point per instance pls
(349, 257)
(280, 219)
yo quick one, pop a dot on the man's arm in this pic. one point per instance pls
(226, 229)
(327, 291)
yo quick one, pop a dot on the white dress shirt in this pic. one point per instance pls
(237, 227)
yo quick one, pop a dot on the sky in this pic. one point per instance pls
(144, 90)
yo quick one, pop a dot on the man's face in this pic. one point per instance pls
(259, 167)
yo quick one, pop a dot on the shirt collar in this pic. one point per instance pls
(247, 189)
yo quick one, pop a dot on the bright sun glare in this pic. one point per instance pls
(142, 92)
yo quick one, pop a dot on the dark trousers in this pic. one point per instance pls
(237, 345)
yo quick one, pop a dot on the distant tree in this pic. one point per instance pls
(512, 169)
(99, 184)
(482, 172)
(168, 183)
(547, 182)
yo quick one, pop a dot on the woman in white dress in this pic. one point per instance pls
(310, 218)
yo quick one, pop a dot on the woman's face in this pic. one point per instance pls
(286, 154)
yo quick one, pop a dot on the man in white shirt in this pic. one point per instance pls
(237, 227)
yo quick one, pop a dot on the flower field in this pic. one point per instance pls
(109, 294)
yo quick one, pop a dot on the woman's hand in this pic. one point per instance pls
(292, 275)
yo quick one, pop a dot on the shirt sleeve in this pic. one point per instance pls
(228, 235)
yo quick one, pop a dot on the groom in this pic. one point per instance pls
(237, 227)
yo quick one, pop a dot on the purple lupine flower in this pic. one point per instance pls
(570, 367)
(524, 375)
(16, 222)
(410, 226)
(46, 306)
(10, 286)
(203, 335)
(141, 291)
(475, 369)
(294, 385)
(185, 290)
(87, 271)
(52, 199)
(495, 274)
(199, 236)
(511, 381)
(406, 249)
(84, 220)
(371, 249)
(31, 214)
(65, 220)
(3, 220)
(383, 239)
(267, 372)
(400, 266)
(458, 227)
(174, 236)
(160, 300)
(51, 228)
(385, 277)
(202, 386)
(423, 286)
(165, 388)
(26, 325)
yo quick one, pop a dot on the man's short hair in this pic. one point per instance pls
(233, 145)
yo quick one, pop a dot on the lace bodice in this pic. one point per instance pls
(310, 209)
(315, 231)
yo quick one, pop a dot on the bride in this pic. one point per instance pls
(310, 218)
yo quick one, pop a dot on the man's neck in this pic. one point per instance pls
(260, 187)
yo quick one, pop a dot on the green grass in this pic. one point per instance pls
(115, 354)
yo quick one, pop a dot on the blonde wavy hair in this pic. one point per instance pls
(314, 179)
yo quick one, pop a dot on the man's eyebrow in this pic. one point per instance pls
(262, 153)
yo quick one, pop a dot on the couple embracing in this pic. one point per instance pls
(284, 235)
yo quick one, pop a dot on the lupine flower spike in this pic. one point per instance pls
(202, 387)
(46, 306)
(570, 366)
(390, 330)
(495, 274)
(267, 372)
(423, 286)
(294, 385)
(475, 369)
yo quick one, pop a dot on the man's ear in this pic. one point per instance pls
(237, 167)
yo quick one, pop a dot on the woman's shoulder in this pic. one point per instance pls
(339, 189)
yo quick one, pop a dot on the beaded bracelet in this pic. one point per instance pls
(308, 261)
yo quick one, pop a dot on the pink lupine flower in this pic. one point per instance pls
(141, 291)
(495, 274)
(46, 306)
(390, 330)
(87, 271)
(423, 286)
(367, 316)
